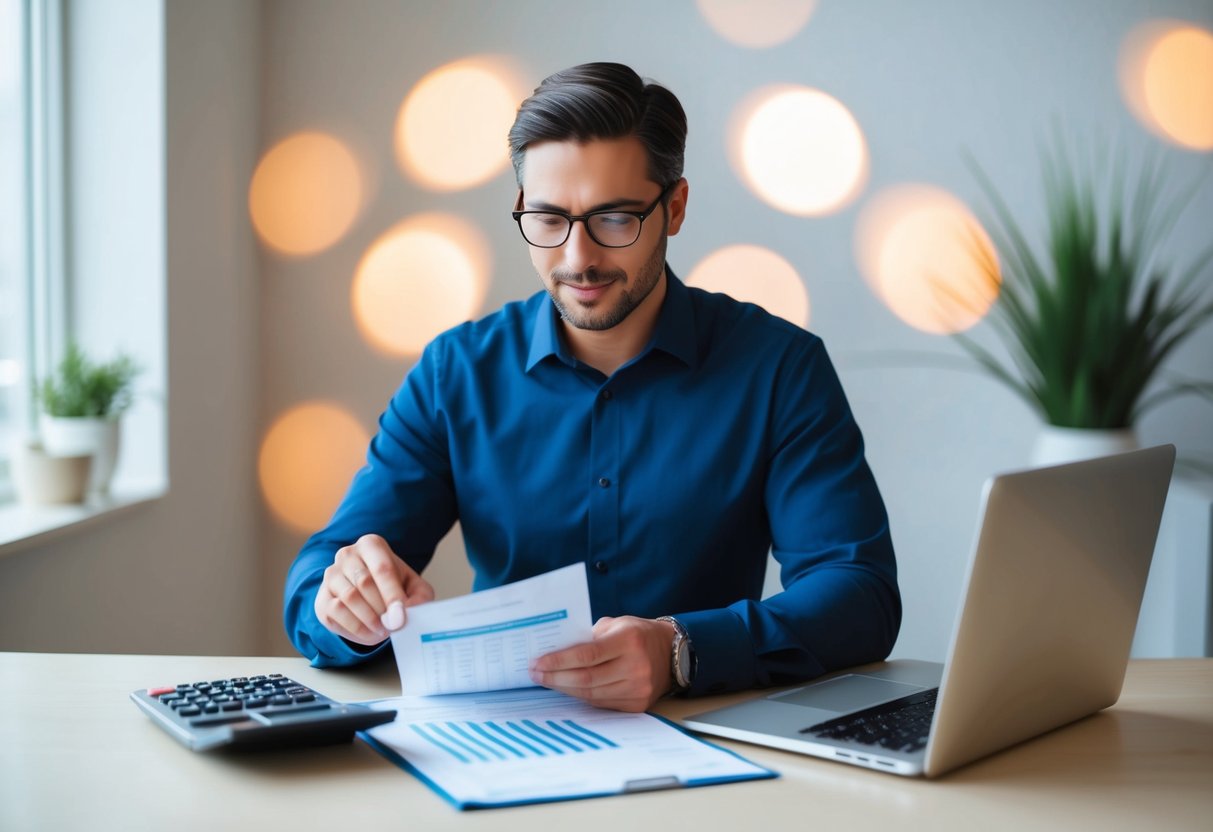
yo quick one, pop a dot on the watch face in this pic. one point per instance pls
(684, 664)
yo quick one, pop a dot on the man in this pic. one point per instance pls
(666, 437)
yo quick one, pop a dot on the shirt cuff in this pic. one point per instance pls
(724, 653)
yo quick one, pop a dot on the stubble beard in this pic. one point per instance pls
(591, 318)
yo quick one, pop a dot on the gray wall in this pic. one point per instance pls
(924, 80)
(252, 333)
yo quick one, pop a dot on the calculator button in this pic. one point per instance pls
(219, 683)
(179, 703)
(172, 697)
(275, 675)
(211, 709)
(256, 678)
(255, 702)
(284, 683)
(305, 697)
(232, 706)
(184, 687)
(238, 680)
(280, 700)
(189, 711)
(293, 691)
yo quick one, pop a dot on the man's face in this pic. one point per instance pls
(595, 287)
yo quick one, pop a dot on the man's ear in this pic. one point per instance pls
(678, 206)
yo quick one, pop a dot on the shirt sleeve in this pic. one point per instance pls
(404, 493)
(840, 605)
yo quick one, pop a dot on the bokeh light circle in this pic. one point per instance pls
(307, 459)
(800, 150)
(305, 193)
(925, 255)
(756, 24)
(1166, 76)
(755, 275)
(421, 277)
(451, 129)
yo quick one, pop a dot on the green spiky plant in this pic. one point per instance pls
(1089, 323)
(80, 388)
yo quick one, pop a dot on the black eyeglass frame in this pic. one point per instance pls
(518, 214)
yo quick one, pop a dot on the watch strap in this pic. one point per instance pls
(682, 657)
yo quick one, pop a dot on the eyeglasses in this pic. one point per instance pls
(609, 229)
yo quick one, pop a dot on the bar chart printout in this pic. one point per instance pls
(533, 745)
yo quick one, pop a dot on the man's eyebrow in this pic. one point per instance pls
(613, 205)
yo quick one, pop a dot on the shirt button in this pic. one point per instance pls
(600, 566)
(606, 395)
(604, 482)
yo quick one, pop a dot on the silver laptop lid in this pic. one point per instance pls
(1050, 602)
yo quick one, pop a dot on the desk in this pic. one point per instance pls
(75, 753)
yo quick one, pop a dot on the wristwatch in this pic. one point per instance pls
(682, 657)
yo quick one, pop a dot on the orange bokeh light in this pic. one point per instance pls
(305, 193)
(799, 149)
(421, 277)
(756, 24)
(927, 258)
(1166, 76)
(452, 127)
(755, 275)
(307, 459)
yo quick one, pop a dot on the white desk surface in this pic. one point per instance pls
(75, 753)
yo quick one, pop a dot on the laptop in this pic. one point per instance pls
(1042, 637)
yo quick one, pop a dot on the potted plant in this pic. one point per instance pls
(1090, 318)
(81, 404)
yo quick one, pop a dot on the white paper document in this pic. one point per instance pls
(487, 640)
(526, 746)
(472, 725)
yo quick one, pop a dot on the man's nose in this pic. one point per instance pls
(580, 250)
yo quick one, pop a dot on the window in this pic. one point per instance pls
(82, 228)
(15, 345)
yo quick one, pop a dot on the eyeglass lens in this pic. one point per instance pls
(606, 229)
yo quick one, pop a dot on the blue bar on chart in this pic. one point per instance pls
(488, 742)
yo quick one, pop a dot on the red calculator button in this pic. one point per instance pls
(161, 691)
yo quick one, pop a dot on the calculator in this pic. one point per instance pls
(268, 711)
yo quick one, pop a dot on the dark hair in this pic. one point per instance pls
(603, 101)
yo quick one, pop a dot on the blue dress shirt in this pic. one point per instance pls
(727, 437)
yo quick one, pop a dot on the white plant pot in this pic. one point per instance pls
(1055, 446)
(63, 436)
(42, 479)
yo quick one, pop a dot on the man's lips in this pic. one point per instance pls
(589, 291)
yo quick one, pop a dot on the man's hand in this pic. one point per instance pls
(626, 667)
(365, 591)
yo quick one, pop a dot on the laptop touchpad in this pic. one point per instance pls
(847, 693)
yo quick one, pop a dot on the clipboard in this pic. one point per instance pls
(519, 747)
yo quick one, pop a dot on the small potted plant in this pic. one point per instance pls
(82, 403)
(1090, 317)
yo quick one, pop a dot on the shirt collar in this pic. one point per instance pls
(674, 332)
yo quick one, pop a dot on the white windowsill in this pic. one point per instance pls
(23, 525)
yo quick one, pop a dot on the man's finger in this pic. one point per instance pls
(351, 597)
(385, 570)
(336, 615)
(417, 588)
(597, 676)
(586, 654)
(619, 695)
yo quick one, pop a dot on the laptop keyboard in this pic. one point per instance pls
(900, 725)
